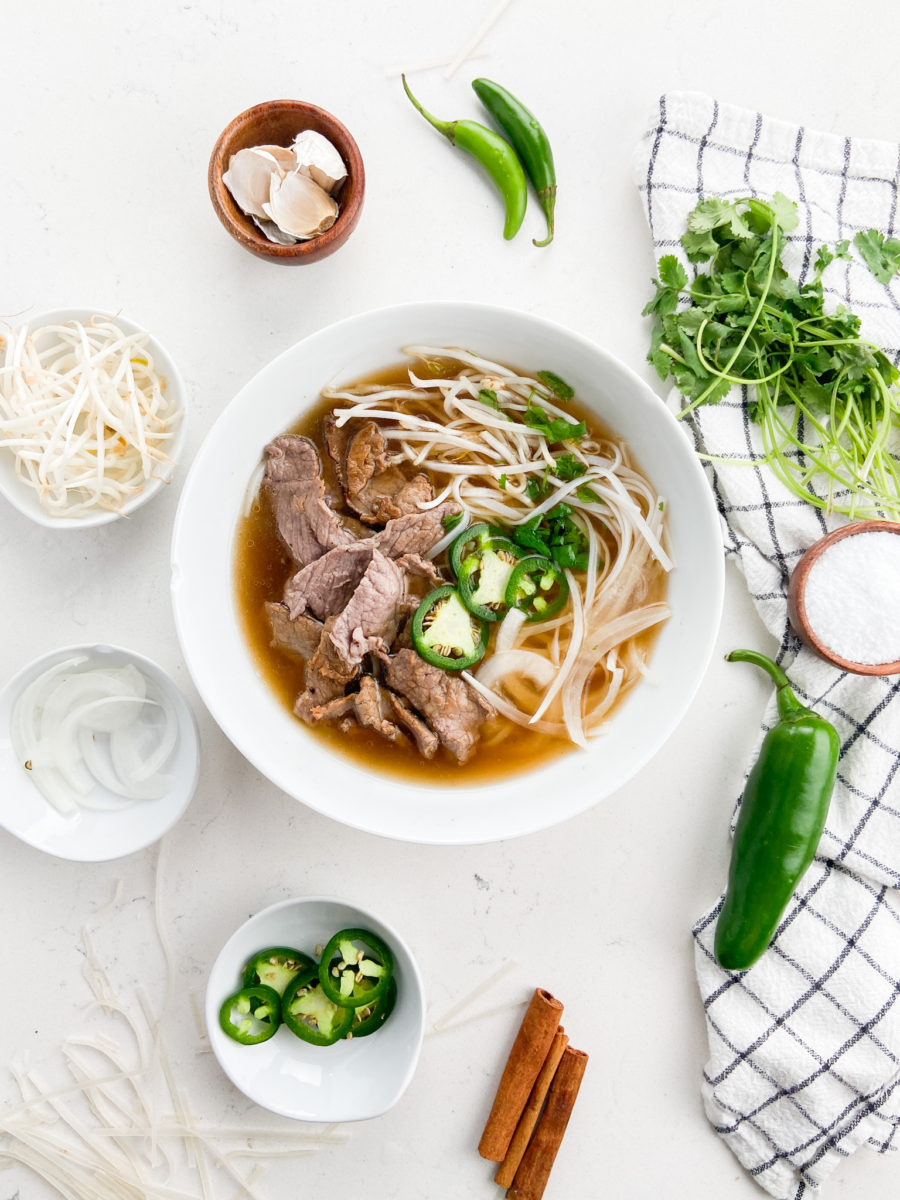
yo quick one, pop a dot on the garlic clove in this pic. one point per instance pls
(249, 179)
(298, 206)
(319, 159)
(273, 233)
(283, 155)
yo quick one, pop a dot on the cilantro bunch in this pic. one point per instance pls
(824, 398)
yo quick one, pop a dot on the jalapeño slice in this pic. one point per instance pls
(369, 1018)
(483, 576)
(470, 541)
(538, 587)
(251, 1015)
(356, 968)
(445, 633)
(311, 1016)
(276, 967)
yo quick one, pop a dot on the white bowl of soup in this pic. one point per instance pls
(315, 530)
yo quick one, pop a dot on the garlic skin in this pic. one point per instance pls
(249, 178)
(317, 157)
(273, 233)
(299, 207)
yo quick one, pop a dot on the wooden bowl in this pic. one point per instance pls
(797, 614)
(277, 122)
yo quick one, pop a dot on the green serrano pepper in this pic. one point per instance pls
(782, 816)
(527, 135)
(496, 156)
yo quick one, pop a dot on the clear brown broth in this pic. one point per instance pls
(262, 567)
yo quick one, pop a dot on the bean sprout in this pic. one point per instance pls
(85, 413)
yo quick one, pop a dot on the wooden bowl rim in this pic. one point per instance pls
(241, 227)
(797, 614)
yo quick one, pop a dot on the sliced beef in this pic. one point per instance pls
(426, 741)
(369, 710)
(415, 533)
(373, 487)
(366, 705)
(293, 479)
(327, 677)
(453, 710)
(372, 616)
(336, 438)
(365, 458)
(390, 495)
(300, 636)
(419, 568)
(324, 587)
(312, 713)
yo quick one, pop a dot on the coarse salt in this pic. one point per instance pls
(852, 597)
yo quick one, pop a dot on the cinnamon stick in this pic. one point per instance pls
(534, 1169)
(529, 1118)
(529, 1051)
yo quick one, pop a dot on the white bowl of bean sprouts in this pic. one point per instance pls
(567, 703)
(92, 417)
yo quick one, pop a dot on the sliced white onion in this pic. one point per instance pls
(533, 666)
(445, 541)
(509, 630)
(76, 729)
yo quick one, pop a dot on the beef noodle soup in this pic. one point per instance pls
(449, 570)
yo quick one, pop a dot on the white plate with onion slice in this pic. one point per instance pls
(92, 417)
(99, 753)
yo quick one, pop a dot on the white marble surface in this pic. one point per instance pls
(111, 110)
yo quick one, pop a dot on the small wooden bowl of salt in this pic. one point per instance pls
(844, 595)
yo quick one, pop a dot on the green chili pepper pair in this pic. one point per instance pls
(782, 816)
(503, 162)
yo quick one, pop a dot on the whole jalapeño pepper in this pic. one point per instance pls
(528, 136)
(494, 153)
(781, 819)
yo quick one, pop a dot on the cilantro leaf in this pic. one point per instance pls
(880, 254)
(568, 467)
(554, 429)
(761, 326)
(557, 386)
(671, 273)
(489, 397)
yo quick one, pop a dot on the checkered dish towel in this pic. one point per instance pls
(804, 1061)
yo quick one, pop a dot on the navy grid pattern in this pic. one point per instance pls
(804, 1062)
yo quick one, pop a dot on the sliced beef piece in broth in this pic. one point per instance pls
(324, 587)
(373, 487)
(372, 615)
(300, 636)
(327, 677)
(415, 533)
(366, 706)
(426, 741)
(370, 703)
(453, 710)
(336, 438)
(304, 521)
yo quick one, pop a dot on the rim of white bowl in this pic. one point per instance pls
(460, 828)
(51, 833)
(24, 498)
(213, 1002)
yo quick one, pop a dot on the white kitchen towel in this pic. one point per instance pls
(804, 1062)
